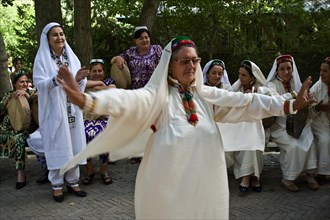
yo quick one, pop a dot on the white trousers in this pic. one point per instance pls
(71, 176)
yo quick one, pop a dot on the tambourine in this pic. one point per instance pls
(122, 77)
(19, 113)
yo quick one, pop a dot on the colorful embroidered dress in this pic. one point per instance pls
(94, 124)
(13, 143)
(141, 67)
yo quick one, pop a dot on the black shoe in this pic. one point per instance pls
(257, 188)
(43, 179)
(254, 182)
(20, 185)
(58, 198)
(243, 189)
(80, 193)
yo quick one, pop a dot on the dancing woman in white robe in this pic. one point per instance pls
(183, 174)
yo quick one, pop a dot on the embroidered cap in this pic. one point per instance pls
(181, 40)
(284, 58)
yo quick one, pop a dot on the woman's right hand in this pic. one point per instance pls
(65, 78)
(119, 61)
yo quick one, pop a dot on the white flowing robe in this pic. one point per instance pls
(321, 129)
(183, 173)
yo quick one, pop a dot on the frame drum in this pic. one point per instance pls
(122, 77)
(19, 113)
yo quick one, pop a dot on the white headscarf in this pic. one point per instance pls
(256, 73)
(295, 75)
(224, 77)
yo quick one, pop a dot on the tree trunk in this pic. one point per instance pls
(148, 13)
(46, 11)
(4, 74)
(83, 31)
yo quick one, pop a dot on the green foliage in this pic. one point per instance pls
(18, 28)
(258, 30)
(6, 3)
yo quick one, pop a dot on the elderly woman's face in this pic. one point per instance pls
(214, 75)
(325, 73)
(21, 83)
(183, 65)
(97, 72)
(284, 71)
(56, 39)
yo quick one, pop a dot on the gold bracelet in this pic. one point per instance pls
(88, 105)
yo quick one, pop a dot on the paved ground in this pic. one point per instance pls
(115, 201)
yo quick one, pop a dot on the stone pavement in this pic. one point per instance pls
(115, 201)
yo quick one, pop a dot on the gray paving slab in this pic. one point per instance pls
(115, 201)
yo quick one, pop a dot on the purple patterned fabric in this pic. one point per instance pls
(109, 81)
(142, 67)
(94, 127)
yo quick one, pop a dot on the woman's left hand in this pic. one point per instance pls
(304, 97)
(82, 74)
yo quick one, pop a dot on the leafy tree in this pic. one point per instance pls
(47, 11)
(4, 76)
(6, 3)
(148, 13)
(230, 30)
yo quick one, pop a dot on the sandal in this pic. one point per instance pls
(87, 179)
(107, 179)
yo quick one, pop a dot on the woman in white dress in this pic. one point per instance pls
(248, 164)
(60, 122)
(296, 154)
(320, 113)
(183, 173)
